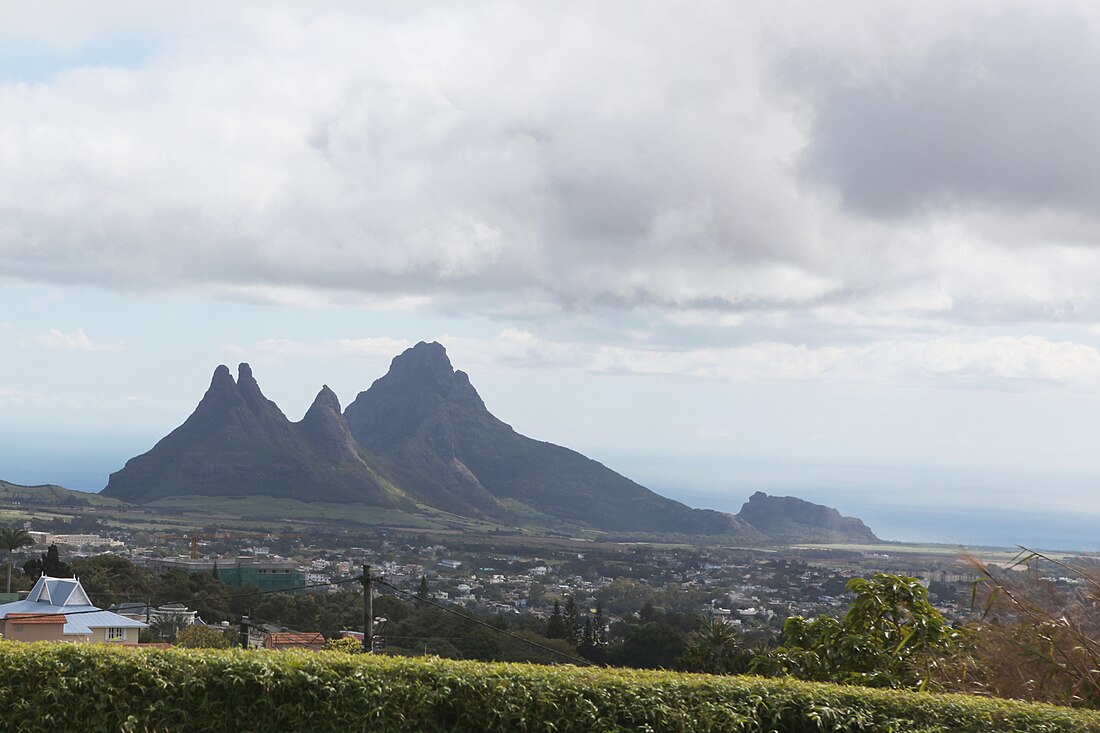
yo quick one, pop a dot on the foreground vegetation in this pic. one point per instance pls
(63, 686)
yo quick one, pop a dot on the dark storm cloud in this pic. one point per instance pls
(1002, 115)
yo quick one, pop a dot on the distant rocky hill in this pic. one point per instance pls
(788, 519)
(420, 435)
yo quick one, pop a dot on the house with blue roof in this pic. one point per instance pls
(58, 609)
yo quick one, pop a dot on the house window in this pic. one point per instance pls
(115, 634)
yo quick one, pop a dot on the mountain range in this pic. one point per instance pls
(420, 436)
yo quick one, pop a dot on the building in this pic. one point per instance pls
(58, 609)
(264, 574)
(90, 540)
(311, 641)
(171, 613)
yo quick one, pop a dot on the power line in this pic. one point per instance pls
(204, 600)
(380, 581)
(486, 624)
(337, 617)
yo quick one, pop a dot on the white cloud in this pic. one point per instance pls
(950, 361)
(10, 396)
(72, 341)
(363, 347)
(599, 158)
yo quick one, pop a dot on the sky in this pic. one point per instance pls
(847, 251)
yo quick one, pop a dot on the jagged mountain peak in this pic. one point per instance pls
(239, 443)
(222, 377)
(425, 364)
(327, 398)
(326, 402)
(250, 391)
(324, 425)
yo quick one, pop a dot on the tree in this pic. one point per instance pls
(588, 643)
(555, 625)
(715, 648)
(12, 539)
(653, 645)
(110, 579)
(890, 637)
(168, 626)
(599, 627)
(571, 618)
(422, 591)
(202, 637)
(50, 564)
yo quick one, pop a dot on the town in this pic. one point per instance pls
(519, 580)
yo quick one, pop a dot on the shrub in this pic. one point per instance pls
(89, 688)
(346, 645)
(202, 637)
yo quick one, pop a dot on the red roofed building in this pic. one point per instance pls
(313, 641)
(74, 616)
(33, 627)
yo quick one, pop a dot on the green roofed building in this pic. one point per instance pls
(264, 574)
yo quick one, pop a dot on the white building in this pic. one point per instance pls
(64, 598)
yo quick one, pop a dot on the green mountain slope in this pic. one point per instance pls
(51, 495)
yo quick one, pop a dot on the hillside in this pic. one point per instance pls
(51, 495)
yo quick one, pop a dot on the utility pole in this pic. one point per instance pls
(368, 612)
(244, 632)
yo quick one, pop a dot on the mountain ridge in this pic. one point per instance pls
(419, 437)
(239, 443)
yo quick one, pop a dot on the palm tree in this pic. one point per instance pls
(715, 648)
(11, 539)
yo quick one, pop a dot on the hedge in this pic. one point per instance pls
(93, 688)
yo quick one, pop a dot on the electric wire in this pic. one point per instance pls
(380, 581)
(202, 600)
(486, 624)
(320, 635)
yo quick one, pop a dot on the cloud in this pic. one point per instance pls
(959, 360)
(73, 341)
(363, 347)
(10, 396)
(509, 153)
(985, 363)
(925, 167)
(996, 114)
